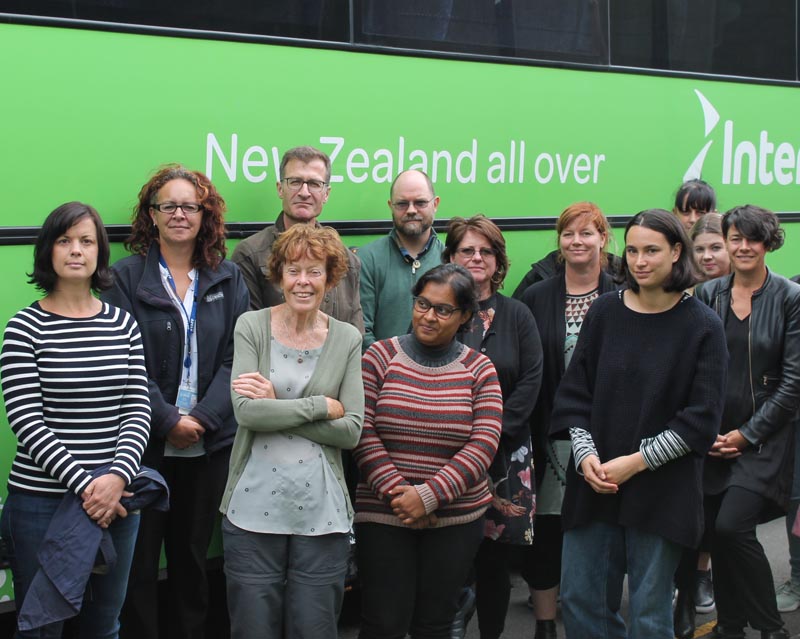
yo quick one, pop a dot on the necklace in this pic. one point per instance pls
(303, 348)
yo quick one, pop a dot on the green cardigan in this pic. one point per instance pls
(337, 375)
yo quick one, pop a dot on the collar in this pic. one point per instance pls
(404, 252)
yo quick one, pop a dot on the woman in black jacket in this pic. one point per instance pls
(749, 470)
(503, 330)
(559, 305)
(186, 299)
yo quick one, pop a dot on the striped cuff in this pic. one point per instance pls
(662, 448)
(582, 446)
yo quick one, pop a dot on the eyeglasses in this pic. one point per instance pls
(170, 208)
(442, 311)
(469, 252)
(314, 186)
(402, 205)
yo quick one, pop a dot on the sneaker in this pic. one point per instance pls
(703, 592)
(788, 597)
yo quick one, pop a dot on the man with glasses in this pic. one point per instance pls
(392, 265)
(304, 187)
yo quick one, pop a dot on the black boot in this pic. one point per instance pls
(546, 630)
(683, 617)
(466, 608)
(774, 634)
(722, 631)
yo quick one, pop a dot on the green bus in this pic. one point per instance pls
(514, 109)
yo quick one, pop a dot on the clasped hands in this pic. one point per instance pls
(101, 499)
(407, 505)
(729, 445)
(606, 478)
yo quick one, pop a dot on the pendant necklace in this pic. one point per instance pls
(303, 348)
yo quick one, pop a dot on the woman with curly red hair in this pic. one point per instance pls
(186, 298)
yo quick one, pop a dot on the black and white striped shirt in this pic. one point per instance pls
(75, 392)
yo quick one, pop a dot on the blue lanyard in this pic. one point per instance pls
(190, 319)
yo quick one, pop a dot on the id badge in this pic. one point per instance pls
(187, 398)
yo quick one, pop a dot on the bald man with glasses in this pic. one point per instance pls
(303, 188)
(391, 265)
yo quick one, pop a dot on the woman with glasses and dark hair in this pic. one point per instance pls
(559, 305)
(431, 430)
(748, 472)
(505, 331)
(186, 298)
(641, 399)
(75, 393)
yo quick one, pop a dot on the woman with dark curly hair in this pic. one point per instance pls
(186, 298)
(748, 473)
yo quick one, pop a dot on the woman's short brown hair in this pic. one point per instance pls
(457, 229)
(318, 242)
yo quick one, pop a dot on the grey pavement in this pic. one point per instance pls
(520, 620)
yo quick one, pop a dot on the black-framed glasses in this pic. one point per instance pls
(442, 311)
(468, 252)
(296, 183)
(402, 205)
(170, 208)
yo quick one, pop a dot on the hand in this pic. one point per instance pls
(621, 469)
(407, 504)
(101, 499)
(428, 521)
(728, 446)
(335, 408)
(595, 476)
(186, 432)
(507, 508)
(253, 386)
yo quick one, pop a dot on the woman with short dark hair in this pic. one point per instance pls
(186, 298)
(641, 400)
(431, 429)
(749, 469)
(75, 393)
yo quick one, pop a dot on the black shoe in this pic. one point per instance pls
(466, 608)
(683, 617)
(774, 634)
(546, 630)
(703, 592)
(728, 632)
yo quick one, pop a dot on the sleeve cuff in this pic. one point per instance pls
(428, 498)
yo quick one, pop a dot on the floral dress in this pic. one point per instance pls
(509, 518)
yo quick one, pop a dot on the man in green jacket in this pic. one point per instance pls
(391, 265)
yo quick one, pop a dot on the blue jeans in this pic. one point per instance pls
(23, 525)
(594, 562)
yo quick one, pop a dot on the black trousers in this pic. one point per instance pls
(743, 586)
(196, 485)
(541, 562)
(411, 579)
(492, 587)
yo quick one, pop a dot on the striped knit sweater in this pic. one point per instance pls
(75, 392)
(435, 428)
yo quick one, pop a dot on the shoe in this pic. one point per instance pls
(703, 592)
(727, 632)
(466, 608)
(546, 630)
(774, 634)
(788, 596)
(683, 617)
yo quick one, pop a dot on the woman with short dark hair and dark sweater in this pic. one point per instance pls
(431, 429)
(641, 400)
(749, 472)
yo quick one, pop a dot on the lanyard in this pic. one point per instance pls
(190, 318)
